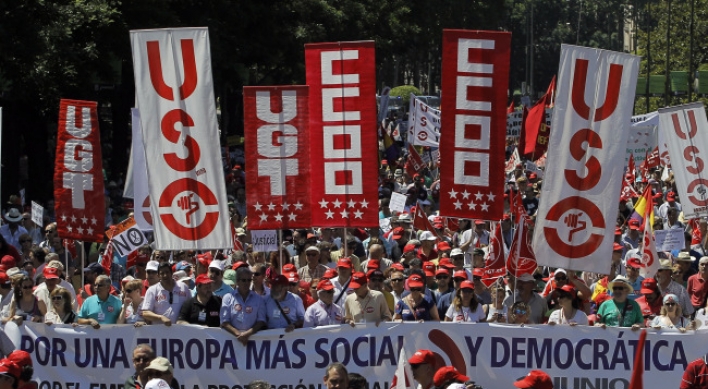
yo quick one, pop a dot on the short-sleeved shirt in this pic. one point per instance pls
(696, 374)
(242, 314)
(157, 300)
(194, 312)
(610, 313)
(103, 311)
(537, 303)
(697, 289)
(291, 305)
(419, 312)
(465, 314)
(223, 290)
(371, 308)
(319, 314)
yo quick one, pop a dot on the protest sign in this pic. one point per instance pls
(398, 202)
(264, 240)
(37, 214)
(668, 240)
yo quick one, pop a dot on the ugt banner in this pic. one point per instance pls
(585, 168)
(78, 173)
(343, 138)
(175, 96)
(475, 78)
(493, 355)
(277, 139)
(686, 133)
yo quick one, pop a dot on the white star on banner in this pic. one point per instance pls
(73, 219)
(458, 204)
(279, 217)
(285, 206)
(298, 206)
(336, 203)
(291, 217)
(84, 220)
(453, 194)
(491, 196)
(63, 218)
(264, 217)
(93, 220)
(345, 213)
(81, 230)
(257, 206)
(465, 194)
(479, 196)
(271, 206)
(330, 214)
(357, 214)
(70, 228)
(89, 230)
(364, 204)
(351, 204)
(472, 205)
(323, 203)
(485, 207)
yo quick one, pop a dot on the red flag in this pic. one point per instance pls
(511, 108)
(696, 237)
(237, 245)
(536, 130)
(637, 382)
(420, 220)
(494, 264)
(631, 170)
(107, 258)
(521, 259)
(78, 177)
(276, 130)
(343, 142)
(451, 223)
(521, 145)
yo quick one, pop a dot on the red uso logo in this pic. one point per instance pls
(185, 193)
(343, 171)
(690, 154)
(579, 211)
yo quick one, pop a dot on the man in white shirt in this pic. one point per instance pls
(164, 300)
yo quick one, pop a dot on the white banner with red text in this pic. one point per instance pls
(585, 167)
(277, 141)
(686, 132)
(426, 124)
(343, 137)
(475, 76)
(175, 96)
(492, 355)
(79, 195)
(141, 194)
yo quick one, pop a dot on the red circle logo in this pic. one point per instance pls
(422, 135)
(146, 213)
(187, 191)
(576, 209)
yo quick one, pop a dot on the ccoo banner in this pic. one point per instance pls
(475, 78)
(492, 355)
(175, 96)
(585, 165)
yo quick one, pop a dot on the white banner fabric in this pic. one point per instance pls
(175, 96)
(493, 355)
(578, 206)
(686, 133)
(642, 137)
(426, 124)
(141, 196)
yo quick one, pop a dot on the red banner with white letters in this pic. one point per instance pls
(475, 78)
(576, 218)
(175, 96)
(78, 173)
(343, 140)
(277, 148)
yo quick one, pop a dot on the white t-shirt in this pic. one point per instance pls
(464, 314)
(157, 300)
(579, 318)
(701, 318)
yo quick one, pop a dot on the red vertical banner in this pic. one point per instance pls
(343, 141)
(78, 173)
(277, 138)
(475, 78)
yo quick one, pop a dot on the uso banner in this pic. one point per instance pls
(277, 139)
(475, 78)
(175, 96)
(493, 355)
(576, 216)
(686, 133)
(78, 173)
(343, 139)
(141, 196)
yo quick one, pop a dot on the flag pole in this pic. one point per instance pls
(344, 236)
(280, 250)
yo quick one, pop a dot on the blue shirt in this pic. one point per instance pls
(292, 306)
(221, 292)
(242, 314)
(104, 312)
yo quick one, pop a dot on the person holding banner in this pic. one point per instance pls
(570, 311)
(465, 306)
(24, 305)
(61, 311)
(416, 306)
(242, 311)
(164, 299)
(364, 305)
(670, 316)
(698, 284)
(102, 307)
(620, 311)
(324, 312)
(132, 300)
(283, 309)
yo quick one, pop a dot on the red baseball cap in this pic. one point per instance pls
(634, 225)
(398, 266)
(448, 374)
(460, 274)
(325, 285)
(422, 356)
(467, 285)
(444, 246)
(409, 248)
(8, 261)
(671, 196)
(649, 285)
(429, 269)
(618, 231)
(442, 271)
(202, 280)
(567, 288)
(617, 247)
(358, 279)
(415, 281)
(7, 367)
(478, 272)
(330, 273)
(204, 259)
(634, 262)
(293, 277)
(398, 232)
(280, 280)
(289, 268)
(373, 264)
(4, 279)
(50, 273)
(536, 379)
(345, 262)
(21, 358)
(143, 258)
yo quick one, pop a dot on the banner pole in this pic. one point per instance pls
(280, 251)
(344, 236)
(83, 263)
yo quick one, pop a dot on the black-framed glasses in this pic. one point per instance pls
(48, 231)
(397, 279)
(57, 298)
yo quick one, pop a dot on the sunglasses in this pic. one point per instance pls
(328, 291)
(519, 311)
(377, 279)
(397, 279)
(141, 359)
(100, 285)
(48, 231)
(459, 279)
(442, 277)
(57, 298)
(130, 290)
(618, 288)
(257, 274)
(416, 290)
(670, 304)
(27, 287)
(561, 278)
(25, 240)
(311, 254)
(245, 279)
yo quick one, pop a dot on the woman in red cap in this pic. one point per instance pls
(569, 312)
(465, 307)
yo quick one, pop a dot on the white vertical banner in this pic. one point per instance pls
(426, 124)
(175, 96)
(576, 216)
(37, 214)
(685, 130)
(141, 196)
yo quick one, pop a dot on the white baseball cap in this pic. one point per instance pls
(217, 264)
(152, 266)
(157, 383)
